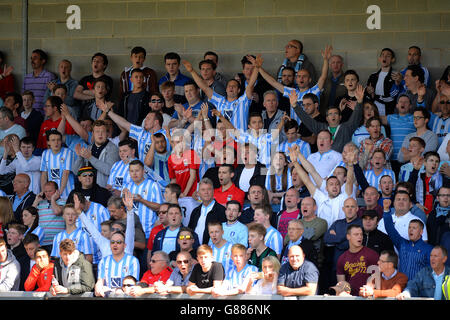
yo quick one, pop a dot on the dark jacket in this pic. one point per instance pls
(436, 227)
(34, 122)
(217, 213)
(159, 240)
(308, 249)
(143, 107)
(96, 194)
(26, 202)
(377, 241)
(24, 260)
(257, 178)
(391, 90)
(80, 277)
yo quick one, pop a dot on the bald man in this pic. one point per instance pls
(299, 277)
(23, 197)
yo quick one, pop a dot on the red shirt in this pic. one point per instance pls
(179, 169)
(153, 234)
(43, 278)
(428, 203)
(232, 193)
(284, 221)
(151, 278)
(47, 125)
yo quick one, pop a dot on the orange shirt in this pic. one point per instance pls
(43, 278)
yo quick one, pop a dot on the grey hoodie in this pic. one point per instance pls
(9, 273)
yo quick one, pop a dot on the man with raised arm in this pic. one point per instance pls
(235, 108)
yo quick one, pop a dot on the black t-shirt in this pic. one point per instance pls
(205, 280)
(347, 112)
(173, 254)
(134, 107)
(87, 82)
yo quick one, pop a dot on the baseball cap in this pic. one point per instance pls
(85, 169)
(342, 286)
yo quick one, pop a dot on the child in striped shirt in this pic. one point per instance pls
(221, 247)
(378, 162)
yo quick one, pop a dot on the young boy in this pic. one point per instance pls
(81, 239)
(157, 157)
(137, 57)
(238, 276)
(56, 164)
(31, 244)
(273, 238)
(168, 91)
(256, 234)
(234, 231)
(14, 238)
(172, 195)
(135, 103)
(221, 247)
(378, 170)
(426, 183)
(416, 148)
(291, 131)
(348, 102)
(41, 273)
(120, 173)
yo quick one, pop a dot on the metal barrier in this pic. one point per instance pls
(23, 295)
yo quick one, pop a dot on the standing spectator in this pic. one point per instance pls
(33, 118)
(72, 272)
(6, 215)
(375, 141)
(256, 243)
(210, 55)
(101, 154)
(208, 73)
(298, 277)
(172, 66)
(369, 110)
(137, 57)
(112, 269)
(6, 77)
(418, 93)
(257, 195)
(166, 239)
(85, 89)
(372, 237)
(163, 223)
(13, 101)
(334, 85)
(15, 241)
(428, 281)
(415, 151)
(37, 80)
(414, 57)
(353, 264)
(221, 248)
(437, 223)
(30, 218)
(234, 231)
(273, 238)
(64, 78)
(10, 275)
(8, 127)
(22, 196)
(49, 206)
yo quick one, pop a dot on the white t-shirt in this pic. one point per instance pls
(379, 90)
(244, 180)
(330, 209)
(326, 162)
(401, 225)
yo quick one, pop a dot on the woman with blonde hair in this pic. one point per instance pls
(267, 279)
(6, 214)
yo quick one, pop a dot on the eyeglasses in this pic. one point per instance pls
(444, 102)
(87, 175)
(156, 100)
(116, 229)
(443, 195)
(418, 118)
(383, 261)
(187, 237)
(182, 261)
(128, 285)
(162, 212)
(155, 261)
(116, 241)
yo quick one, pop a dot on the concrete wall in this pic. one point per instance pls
(232, 28)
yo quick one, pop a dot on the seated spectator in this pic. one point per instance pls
(391, 282)
(265, 282)
(371, 197)
(437, 220)
(33, 118)
(110, 276)
(14, 239)
(159, 271)
(22, 196)
(163, 223)
(13, 101)
(41, 275)
(221, 248)
(166, 239)
(257, 248)
(295, 234)
(342, 289)
(36, 81)
(179, 278)
(31, 244)
(427, 283)
(206, 274)
(234, 231)
(298, 277)
(353, 263)
(439, 118)
(72, 272)
(372, 237)
(10, 275)
(137, 57)
(8, 127)
(187, 242)
(273, 238)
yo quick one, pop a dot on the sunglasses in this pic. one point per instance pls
(128, 285)
(116, 241)
(116, 229)
(155, 261)
(182, 261)
(162, 212)
(444, 102)
(187, 237)
(87, 175)
(156, 101)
